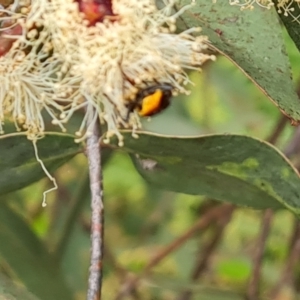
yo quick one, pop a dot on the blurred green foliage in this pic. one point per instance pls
(140, 219)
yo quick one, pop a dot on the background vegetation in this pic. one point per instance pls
(160, 244)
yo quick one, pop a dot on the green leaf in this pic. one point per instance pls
(292, 26)
(233, 168)
(18, 164)
(28, 258)
(251, 39)
(10, 291)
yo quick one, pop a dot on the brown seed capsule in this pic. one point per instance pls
(95, 10)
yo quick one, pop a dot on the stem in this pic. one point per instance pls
(205, 255)
(290, 264)
(204, 222)
(253, 285)
(278, 129)
(93, 152)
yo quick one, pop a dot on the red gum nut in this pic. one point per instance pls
(95, 10)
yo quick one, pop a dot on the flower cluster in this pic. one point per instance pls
(55, 60)
(285, 7)
(249, 4)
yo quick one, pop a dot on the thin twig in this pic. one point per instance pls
(290, 150)
(93, 152)
(110, 259)
(293, 147)
(286, 275)
(203, 223)
(205, 255)
(278, 129)
(253, 285)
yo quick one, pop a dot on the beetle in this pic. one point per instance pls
(151, 100)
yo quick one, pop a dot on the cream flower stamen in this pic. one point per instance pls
(249, 4)
(286, 7)
(60, 63)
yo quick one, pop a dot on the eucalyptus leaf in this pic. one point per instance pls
(232, 168)
(28, 258)
(292, 26)
(10, 291)
(18, 164)
(251, 39)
